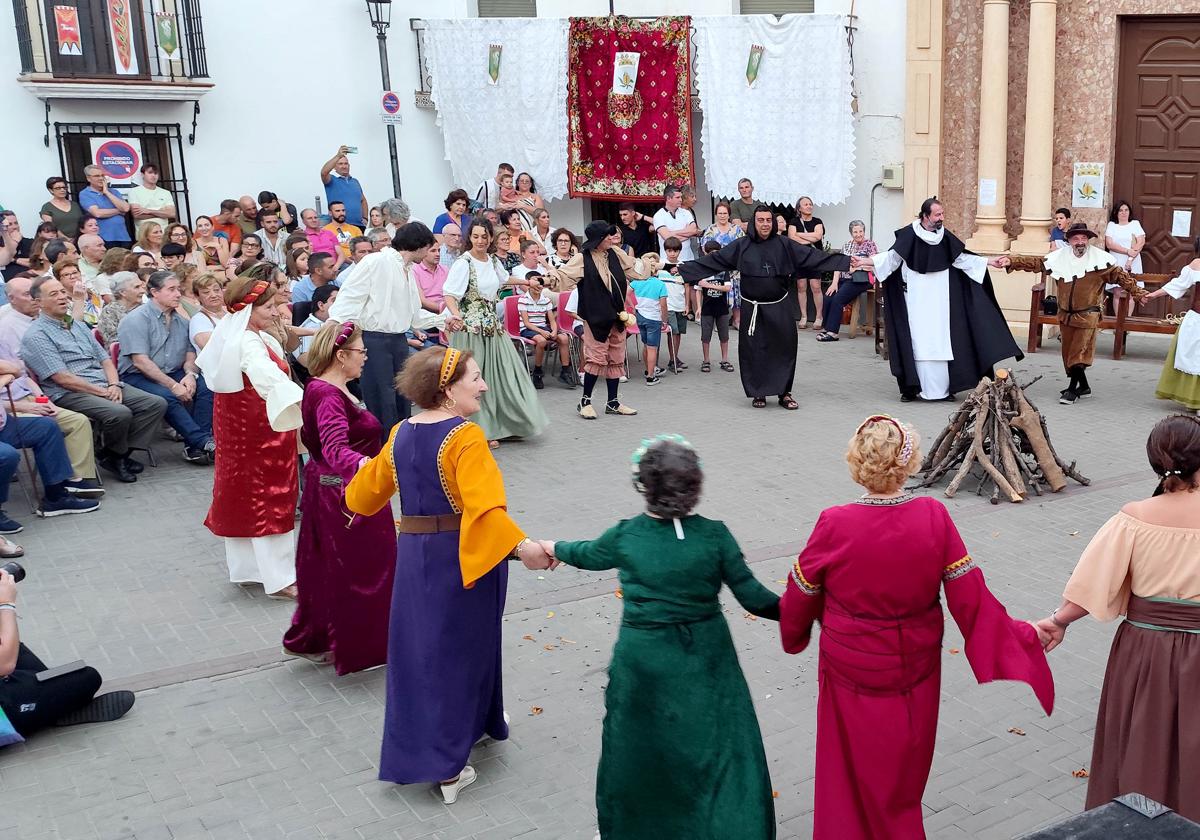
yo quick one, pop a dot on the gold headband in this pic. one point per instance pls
(449, 364)
(906, 446)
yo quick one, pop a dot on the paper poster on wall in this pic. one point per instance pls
(119, 157)
(1181, 223)
(1087, 185)
(987, 192)
(66, 25)
(120, 29)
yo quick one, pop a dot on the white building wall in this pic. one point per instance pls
(255, 135)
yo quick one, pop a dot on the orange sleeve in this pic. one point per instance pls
(375, 482)
(473, 479)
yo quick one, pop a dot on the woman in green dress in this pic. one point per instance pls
(510, 408)
(681, 752)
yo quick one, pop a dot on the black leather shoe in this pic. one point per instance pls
(133, 465)
(116, 466)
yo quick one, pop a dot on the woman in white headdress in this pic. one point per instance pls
(256, 412)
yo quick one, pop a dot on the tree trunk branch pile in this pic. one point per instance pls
(999, 437)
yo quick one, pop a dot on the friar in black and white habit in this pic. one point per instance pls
(945, 330)
(769, 264)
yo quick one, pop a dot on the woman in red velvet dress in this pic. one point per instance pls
(256, 411)
(344, 564)
(872, 573)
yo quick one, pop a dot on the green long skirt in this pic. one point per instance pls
(510, 408)
(1183, 388)
(681, 755)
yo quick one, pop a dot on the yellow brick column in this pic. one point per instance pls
(990, 237)
(1036, 211)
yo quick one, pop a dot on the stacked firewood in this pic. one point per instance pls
(1000, 438)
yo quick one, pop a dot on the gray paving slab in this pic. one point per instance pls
(229, 741)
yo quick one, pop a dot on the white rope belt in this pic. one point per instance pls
(757, 303)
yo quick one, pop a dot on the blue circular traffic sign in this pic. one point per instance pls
(118, 159)
(391, 103)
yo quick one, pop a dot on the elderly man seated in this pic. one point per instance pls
(157, 357)
(27, 394)
(42, 435)
(76, 372)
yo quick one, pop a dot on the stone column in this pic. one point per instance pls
(1036, 208)
(990, 237)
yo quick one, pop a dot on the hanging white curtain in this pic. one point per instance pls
(521, 117)
(792, 131)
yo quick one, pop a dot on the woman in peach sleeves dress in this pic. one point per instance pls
(1144, 564)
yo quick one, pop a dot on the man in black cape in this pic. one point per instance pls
(945, 330)
(768, 263)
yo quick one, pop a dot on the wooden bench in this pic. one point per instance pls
(1120, 322)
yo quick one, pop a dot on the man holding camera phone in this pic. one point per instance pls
(35, 697)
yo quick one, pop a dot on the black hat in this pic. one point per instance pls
(1078, 227)
(596, 232)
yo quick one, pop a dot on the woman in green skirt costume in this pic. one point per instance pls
(1180, 379)
(681, 753)
(510, 408)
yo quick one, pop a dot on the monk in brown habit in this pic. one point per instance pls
(1081, 271)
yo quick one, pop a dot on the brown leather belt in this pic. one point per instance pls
(429, 524)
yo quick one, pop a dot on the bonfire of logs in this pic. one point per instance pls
(1000, 431)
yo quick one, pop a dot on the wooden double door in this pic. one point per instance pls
(1158, 133)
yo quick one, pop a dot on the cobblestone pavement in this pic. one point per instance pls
(229, 741)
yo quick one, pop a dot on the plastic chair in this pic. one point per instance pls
(566, 324)
(512, 326)
(632, 330)
(99, 336)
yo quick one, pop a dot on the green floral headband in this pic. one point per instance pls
(646, 445)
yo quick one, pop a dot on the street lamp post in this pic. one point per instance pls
(381, 18)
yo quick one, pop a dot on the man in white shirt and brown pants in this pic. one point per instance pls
(382, 298)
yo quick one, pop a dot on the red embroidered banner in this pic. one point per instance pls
(629, 112)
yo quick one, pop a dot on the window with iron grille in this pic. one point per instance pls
(775, 7)
(507, 8)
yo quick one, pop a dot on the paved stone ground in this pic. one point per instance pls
(228, 741)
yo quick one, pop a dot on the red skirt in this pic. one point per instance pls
(255, 480)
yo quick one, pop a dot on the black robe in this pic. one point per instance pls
(767, 335)
(979, 335)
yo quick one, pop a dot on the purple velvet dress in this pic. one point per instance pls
(443, 679)
(344, 568)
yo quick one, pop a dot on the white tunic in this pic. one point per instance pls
(1187, 349)
(928, 300)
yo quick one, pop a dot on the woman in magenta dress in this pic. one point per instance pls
(871, 573)
(444, 688)
(344, 565)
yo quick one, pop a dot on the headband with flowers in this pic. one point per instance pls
(449, 365)
(256, 291)
(906, 445)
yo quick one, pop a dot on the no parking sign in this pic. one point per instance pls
(119, 157)
(389, 107)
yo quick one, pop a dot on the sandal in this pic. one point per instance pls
(802, 325)
(9, 550)
(758, 402)
(706, 367)
(727, 367)
(787, 402)
(827, 336)
(493, 444)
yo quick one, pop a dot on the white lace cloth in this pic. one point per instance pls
(792, 133)
(522, 119)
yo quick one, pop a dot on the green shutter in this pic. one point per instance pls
(510, 8)
(774, 7)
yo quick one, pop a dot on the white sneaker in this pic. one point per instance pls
(450, 791)
(624, 379)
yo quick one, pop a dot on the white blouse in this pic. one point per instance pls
(1124, 235)
(489, 277)
(281, 394)
(1178, 287)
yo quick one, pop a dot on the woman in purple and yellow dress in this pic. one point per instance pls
(344, 566)
(443, 682)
